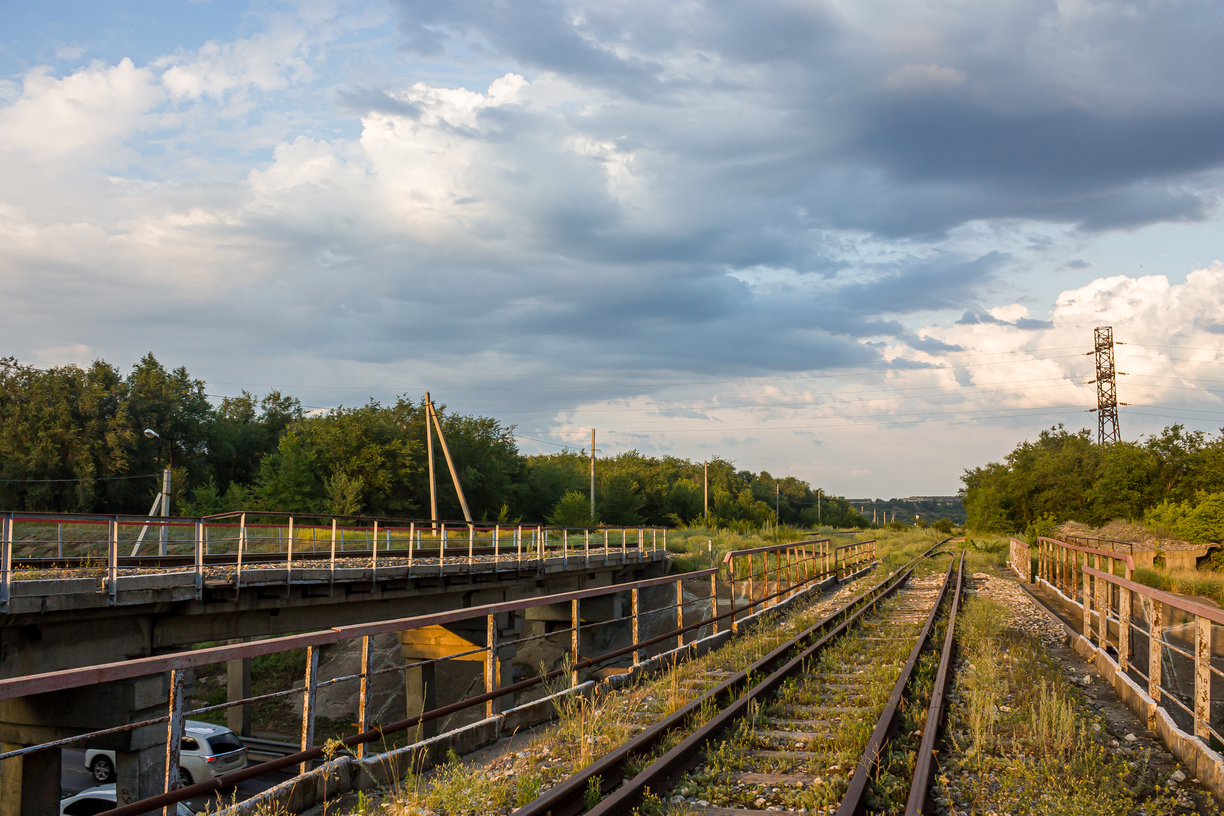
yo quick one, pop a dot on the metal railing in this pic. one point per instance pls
(1166, 641)
(261, 548)
(785, 571)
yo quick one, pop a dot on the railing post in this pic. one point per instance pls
(241, 545)
(713, 590)
(364, 696)
(112, 560)
(624, 546)
(636, 655)
(606, 554)
(1155, 650)
(491, 663)
(496, 545)
(309, 694)
(1124, 627)
(1202, 679)
(174, 737)
(442, 552)
(679, 613)
(1101, 591)
(586, 546)
(331, 564)
(751, 596)
(565, 546)
(518, 546)
(1087, 600)
(374, 554)
(289, 557)
(411, 536)
(471, 546)
(199, 559)
(575, 634)
(731, 577)
(641, 546)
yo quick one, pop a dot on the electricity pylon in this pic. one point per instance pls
(1107, 386)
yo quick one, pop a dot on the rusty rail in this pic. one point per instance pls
(798, 560)
(662, 772)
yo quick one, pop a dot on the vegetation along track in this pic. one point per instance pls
(806, 726)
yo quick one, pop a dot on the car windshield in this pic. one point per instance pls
(224, 744)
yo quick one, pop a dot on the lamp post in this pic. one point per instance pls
(165, 496)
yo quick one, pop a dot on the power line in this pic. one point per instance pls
(95, 479)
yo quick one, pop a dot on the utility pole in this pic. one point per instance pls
(1107, 386)
(818, 506)
(433, 490)
(706, 482)
(592, 475)
(450, 464)
(777, 503)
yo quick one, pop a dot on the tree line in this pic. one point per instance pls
(72, 440)
(1172, 480)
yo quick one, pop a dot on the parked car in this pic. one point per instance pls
(207, 751)
(99, 800)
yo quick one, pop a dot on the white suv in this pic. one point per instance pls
(207, 751)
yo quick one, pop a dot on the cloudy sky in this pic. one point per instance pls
(864, 242)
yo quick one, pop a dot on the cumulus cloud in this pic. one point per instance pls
(475, 189)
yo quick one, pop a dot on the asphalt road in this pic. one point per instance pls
(75, 777)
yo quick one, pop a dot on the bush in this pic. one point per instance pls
(573, 510)
(944, 525)
(1200, 519)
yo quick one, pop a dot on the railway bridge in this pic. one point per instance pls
(75, 591)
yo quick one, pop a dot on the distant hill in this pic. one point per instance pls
(927, 508)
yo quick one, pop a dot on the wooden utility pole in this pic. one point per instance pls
(706, 467)
(467, 516)
(592, 475)
(433, 490)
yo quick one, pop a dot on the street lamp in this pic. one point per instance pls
(164, 499)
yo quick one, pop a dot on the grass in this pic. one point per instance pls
(1200, 584)
(1024, 740)
(589, 726)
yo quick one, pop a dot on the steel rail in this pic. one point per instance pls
(924, 767)
(886, 725)
(566, 799)
(159, 801)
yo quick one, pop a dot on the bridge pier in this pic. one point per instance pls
(238, 687)
(30, 784)
(438, 643)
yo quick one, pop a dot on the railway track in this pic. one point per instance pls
(828, 722)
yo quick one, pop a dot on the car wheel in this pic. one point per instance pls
(103, 770)
(184, 777)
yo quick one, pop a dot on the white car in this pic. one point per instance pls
(207, 752)
(100, 800)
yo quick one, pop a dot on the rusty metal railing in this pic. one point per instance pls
(795, 568)
(1166, 641)
(253, 548)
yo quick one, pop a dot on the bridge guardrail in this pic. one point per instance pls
(796, 568)
(1167, 645)
(249, 548)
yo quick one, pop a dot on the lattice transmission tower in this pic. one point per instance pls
(1107, 386)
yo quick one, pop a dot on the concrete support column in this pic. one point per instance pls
(238, 687)
(421, 693)
(30, 784)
